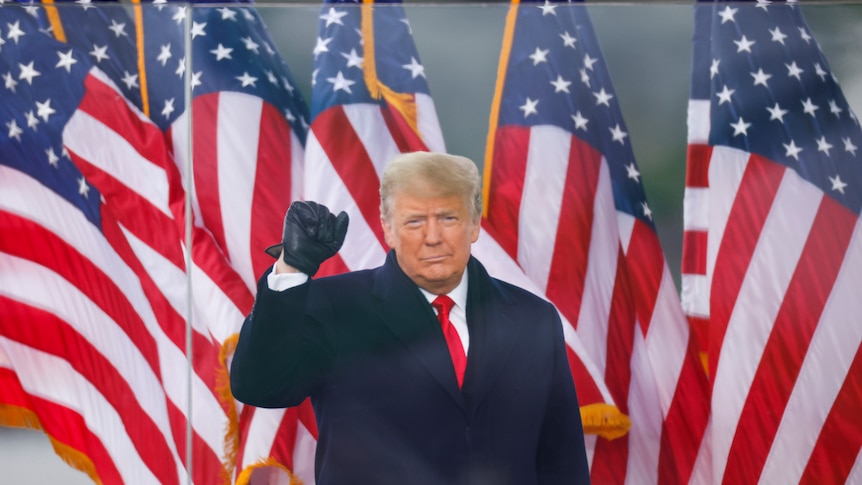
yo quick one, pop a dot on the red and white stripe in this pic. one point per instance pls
(551, 206)
(774, 268)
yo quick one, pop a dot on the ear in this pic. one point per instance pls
(474, 236)
(387, 233)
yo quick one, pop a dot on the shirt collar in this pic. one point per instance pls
(458, 295)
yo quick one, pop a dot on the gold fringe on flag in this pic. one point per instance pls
(19, 417)
(222, 389)
(604, 420)
(404, 103)
(245, 476)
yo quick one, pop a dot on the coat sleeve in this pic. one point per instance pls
(562, 457)
(283, 353)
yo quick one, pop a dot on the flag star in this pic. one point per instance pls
(406, 24)
(823, 145)
(85, 4)
(66, 60)
(83, 188)
(286, 83)
(227, 14)
(760, 77)
(744, 44)
(777, 36)
(164, 54)
(794, 71)
(269, 48)
(724, 95)
(10, 81)
(130, 80)
(548, 8)
(647, 210)
(820, 72)
(179, 15)
(160, 4)
(168, 108)
(561, 84)
(196, 79)
(776, 113)
(198, 29)
(837, 184)
(333, 17)
(353, 59)
(181, 67)
(339, 82)
(250, 44)
(585, 78)
(849, 146)
(221, 52)
(15, 31)
(14, 130)
(713, 68)
(270, 76)
(247, 80)
(53, 159)
(632, 172)
(539, 56)
(32, 119)
(314, 74)
(28, 72)
(804, 34)
(119, 29)
(618, 134)
(809, 107)
(321, 46)
(740, 127)
(529, 107)
(288, 115)
(762, 4)
(65, 153)
(248, 16)
(100, 52)
(727, 15)
(44, 109)
(580, 121)
(415, 68)
(589, 61)
(568, 40)
(2, 42)
(834, 108)
(31, 9)
(603, 98)
(792, 150)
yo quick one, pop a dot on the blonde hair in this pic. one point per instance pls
(445, 174)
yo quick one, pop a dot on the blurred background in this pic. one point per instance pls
(647, 48)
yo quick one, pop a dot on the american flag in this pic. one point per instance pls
(773, 248)
(97, 313)
(565, 200)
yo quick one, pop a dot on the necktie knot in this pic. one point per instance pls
(443, 304)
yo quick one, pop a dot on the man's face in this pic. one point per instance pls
(431, 235)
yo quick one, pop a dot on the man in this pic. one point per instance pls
(394, 404)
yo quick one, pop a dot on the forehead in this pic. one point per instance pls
(417, 201)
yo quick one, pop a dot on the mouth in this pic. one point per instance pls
(435, 259)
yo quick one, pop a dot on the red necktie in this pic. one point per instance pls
(443, 304)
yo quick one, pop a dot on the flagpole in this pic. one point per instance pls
(188, 241)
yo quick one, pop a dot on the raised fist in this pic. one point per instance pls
(311, 235)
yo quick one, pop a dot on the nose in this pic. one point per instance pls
(433, 232)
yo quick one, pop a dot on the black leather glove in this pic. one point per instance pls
(311, 235)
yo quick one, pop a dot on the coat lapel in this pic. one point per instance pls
(406, 312)
(492, 334)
